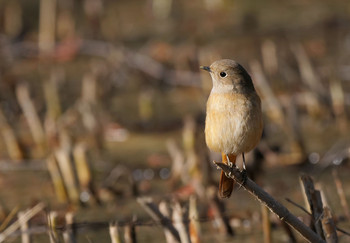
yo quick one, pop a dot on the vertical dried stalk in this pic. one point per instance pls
(24, 227)
(194, 227)
(52, 223)
(114, 233)
(130, 233)
(314, 201)
(56, 178)
(179, 223)
(152, 209)
(89, 92)
(84, 172)
(161, 9)
(69, 234)
(12, 19)
(47, 26)
(264, 87)
(177, 159)
(218, 208)
(269, 56)
(164, 209)
(266, 224)
(32, 117)
(307, 72)
(53, 109)
(69, 178)
(329, 228)
(82, 166)
(146, 106)
(338, 100)
(12, 146)
(341, 193)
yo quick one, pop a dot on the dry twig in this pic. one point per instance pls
(274, 206)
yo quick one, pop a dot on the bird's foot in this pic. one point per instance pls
(229, 163)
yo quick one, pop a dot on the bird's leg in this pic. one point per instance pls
(229, 163)
(244, 171)
(244, 167)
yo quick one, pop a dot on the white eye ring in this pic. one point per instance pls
(223, 74)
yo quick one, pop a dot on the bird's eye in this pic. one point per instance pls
(223, 74)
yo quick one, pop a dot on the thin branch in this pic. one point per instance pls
(298, 206)
(274, 206)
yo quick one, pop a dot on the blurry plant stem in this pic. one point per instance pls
(274, 206)
(328, 225)
(130, 233)
(341, 193)
(217, 206)
(24, 227)
(194, 225)
(178, 220)
(26, 216)
(313, 200)
(152, 209)
(52, 224)
(57, 179)
(114, 233)
(47, 24)
(165, 210)
(13, 149)
(266, 224)
(69, 233)
(69, 177)
(32, 117)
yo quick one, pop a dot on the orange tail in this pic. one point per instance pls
(226, 184)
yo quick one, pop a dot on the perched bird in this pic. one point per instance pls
(233, 123)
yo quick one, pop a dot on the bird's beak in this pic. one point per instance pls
(206, 68)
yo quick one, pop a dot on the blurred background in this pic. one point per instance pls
(102, 102)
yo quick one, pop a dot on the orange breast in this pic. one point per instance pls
(233, 122)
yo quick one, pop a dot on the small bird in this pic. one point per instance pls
(233, 123)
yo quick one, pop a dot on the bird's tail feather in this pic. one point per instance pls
(226, 184)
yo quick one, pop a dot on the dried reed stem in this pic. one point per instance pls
(266, 224)
(114, 233)
(24, 225)
(314, 201)
(217, 206)
(152, 209)
(328, 225)
(47, 26)
(274, 105)
(13, 149)
(27, 216)
(179, 223)
(269, 56)
(32, 117)
(69, 234)
(306, 70)
(57, 179)
(52, 223)
(67, 171)
(165, 210)
(130, 233)
(341, 193)
(194, 227)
